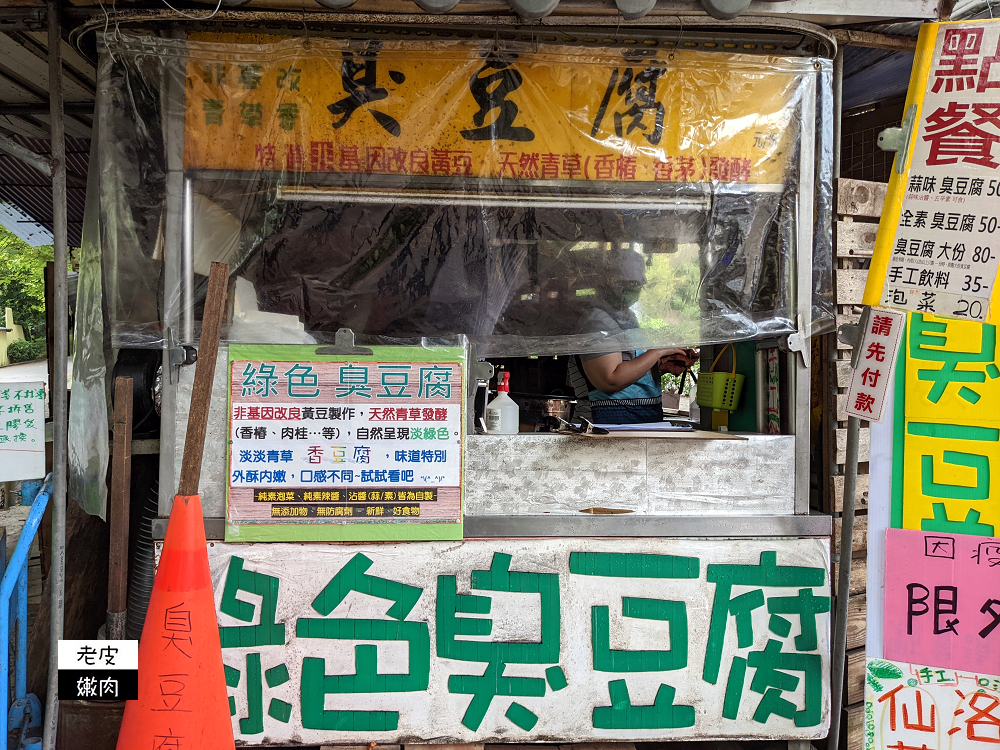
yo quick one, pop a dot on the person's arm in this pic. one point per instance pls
(609, 373)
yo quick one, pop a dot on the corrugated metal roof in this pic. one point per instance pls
(872, 75)
(24, 117)
(31, 191)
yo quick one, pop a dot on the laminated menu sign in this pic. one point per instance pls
(329, 448)
(22, 431)
(938, 246)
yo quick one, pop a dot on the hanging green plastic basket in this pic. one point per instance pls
(720, 390)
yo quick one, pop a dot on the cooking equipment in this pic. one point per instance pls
(541, 412)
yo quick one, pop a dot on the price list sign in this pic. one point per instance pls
(363, 448)
(939, 239)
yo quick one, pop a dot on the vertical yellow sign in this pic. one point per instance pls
(951, 443)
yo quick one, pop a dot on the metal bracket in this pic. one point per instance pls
(179, 355)
(898, 139)
(853, 334)
(773, 342)
(24, 719)
(800, 342)
(343, 343)
(482, 370)
(478, 370)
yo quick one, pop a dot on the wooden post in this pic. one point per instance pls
(120, 500)
(204, 375)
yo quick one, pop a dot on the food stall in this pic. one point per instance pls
(406, 209)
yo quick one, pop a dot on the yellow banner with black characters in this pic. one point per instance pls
(947, 474)
(483, 110)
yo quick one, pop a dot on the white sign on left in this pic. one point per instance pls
(22, 431)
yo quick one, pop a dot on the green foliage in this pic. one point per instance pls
(22, 284)
(25, 351)
(669, 301)
(670, 294)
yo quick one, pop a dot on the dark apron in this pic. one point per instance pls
(627, 410)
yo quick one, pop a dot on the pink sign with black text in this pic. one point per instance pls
(942, 599)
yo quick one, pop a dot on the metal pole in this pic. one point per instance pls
(838, 108)
(57, 571)
(839, 654)
(187, 266)
(844, 583)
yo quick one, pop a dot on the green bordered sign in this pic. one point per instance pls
(334, 448)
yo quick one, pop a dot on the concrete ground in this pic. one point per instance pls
(30, 371)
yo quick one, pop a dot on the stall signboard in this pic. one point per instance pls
(870, 379)
(921, 707)
(938, 244)
(489, 109)
(22, 431)
(328, 447)
(941, 602)
(946, 445)
(540, 640)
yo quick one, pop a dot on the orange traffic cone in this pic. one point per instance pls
(182, 688)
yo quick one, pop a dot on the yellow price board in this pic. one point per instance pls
(476, 109)
(947, 453)
(938, 244)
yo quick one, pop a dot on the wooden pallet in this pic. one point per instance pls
(858, 206)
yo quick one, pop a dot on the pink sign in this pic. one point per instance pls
(942, 600)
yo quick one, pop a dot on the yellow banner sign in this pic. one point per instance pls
(476, 109)
(951, 446)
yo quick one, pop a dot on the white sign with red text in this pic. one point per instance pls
(916, 707)
(946, 249)
(870, 378)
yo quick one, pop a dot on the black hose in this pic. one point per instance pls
(142, 571)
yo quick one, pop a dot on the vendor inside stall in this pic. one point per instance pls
(622, 387)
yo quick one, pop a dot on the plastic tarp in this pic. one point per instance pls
(493, 189)
(88, 408)
(408, 188)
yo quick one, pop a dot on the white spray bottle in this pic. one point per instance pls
(502, 414)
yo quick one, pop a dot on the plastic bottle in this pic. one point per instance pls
(502, 414)
(693, 408)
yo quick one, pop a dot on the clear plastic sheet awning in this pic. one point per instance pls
(491, 189)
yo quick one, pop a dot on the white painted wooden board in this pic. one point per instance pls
(660, 609)
(856, 239)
